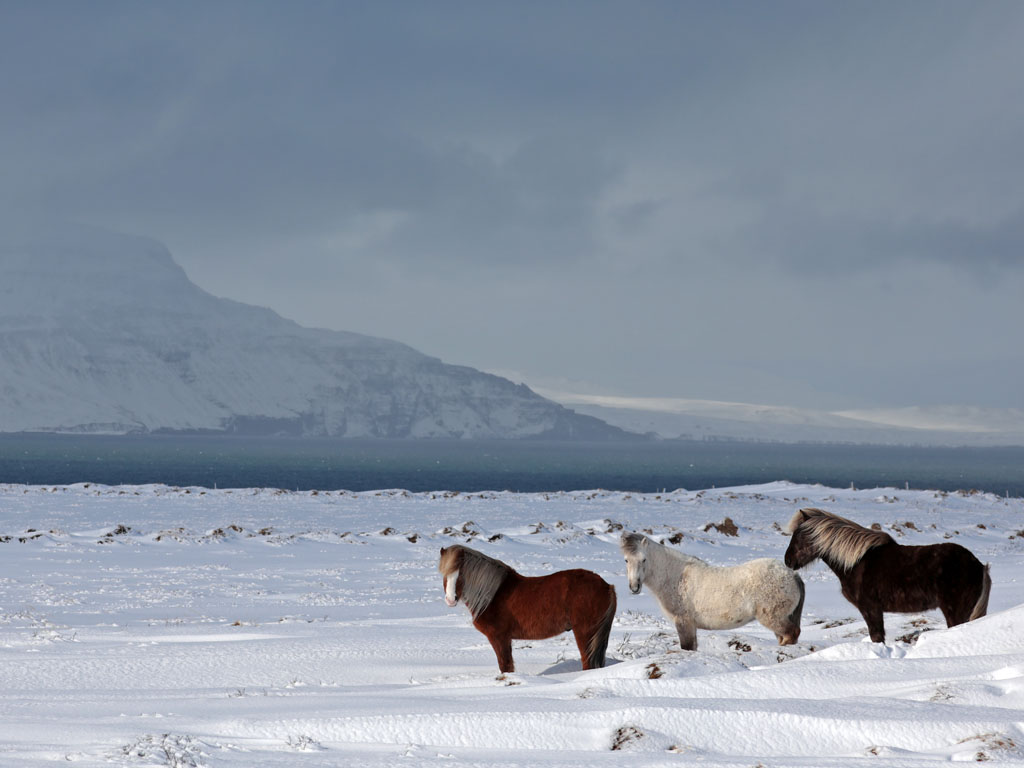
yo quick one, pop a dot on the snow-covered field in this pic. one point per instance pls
(157, 626)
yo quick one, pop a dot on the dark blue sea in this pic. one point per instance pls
(528, 466)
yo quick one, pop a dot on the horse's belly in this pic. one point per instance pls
(539, 633)
(909, 603)
(724, 621)
(899, 594)
(723, 614)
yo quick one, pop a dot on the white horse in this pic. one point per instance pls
(696, 595)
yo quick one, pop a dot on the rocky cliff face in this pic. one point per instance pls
(105, 333)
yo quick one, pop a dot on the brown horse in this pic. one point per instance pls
(507, 606)
(878, 575)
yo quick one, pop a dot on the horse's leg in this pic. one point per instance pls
(949, 613)
(876, 625)
(583, 635)
(591, 629)
(582, 641)
(864, 600)
(956, 610)
(503, 650)
(957, 601)
(687, 634)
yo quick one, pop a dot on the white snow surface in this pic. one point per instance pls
(159, 626)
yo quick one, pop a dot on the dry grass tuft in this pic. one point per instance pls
(625, 736)
(727, 527)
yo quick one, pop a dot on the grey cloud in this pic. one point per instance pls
(690, 199)
(805, 241)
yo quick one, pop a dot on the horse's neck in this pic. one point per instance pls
(674, 555)
(665, 567)
(833, 566)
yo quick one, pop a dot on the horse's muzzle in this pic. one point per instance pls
(450, 603)
(635, 590)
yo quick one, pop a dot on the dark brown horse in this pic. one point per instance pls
(879, 575)
(507, 606)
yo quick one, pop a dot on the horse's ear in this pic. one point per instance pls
(797, 519)
(631, 542)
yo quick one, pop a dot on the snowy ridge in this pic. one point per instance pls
(143, 625)
(105, 333)
(708, 419)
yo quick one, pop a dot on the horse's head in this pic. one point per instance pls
(634, 548)
(801, 550)
(449, 568)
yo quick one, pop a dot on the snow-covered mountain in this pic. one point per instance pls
(101, 332)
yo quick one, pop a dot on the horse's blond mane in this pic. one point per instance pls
(481, 575)
(449, 560)
(843, 541)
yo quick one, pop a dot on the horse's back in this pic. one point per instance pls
(578, 585)
(929, 562)
(949, 552)
(749, 577)
(771, 568)
(909, 578)
(573, 578)
(726, 597)
(956, 569)
(540, 606)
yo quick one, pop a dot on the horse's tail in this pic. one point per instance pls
(598, 643)
(981, 607)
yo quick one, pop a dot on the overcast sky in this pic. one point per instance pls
(812, 204)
